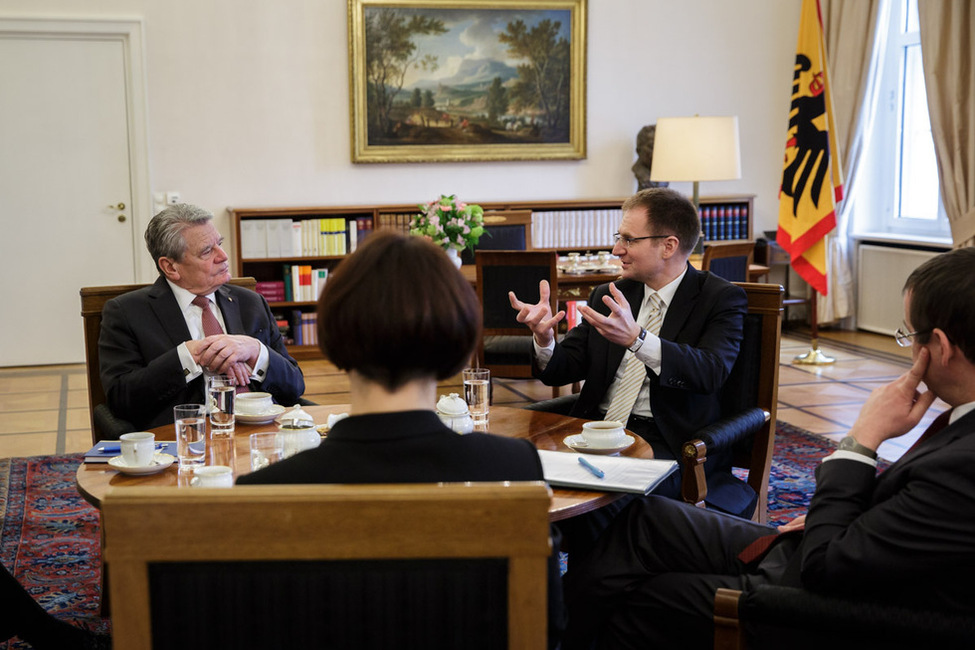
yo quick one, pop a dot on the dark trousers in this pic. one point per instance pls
(650, 580)
(580, 533)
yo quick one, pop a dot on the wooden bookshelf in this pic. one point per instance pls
(564, 226)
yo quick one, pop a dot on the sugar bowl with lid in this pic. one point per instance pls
(297, 429)
(453, 412)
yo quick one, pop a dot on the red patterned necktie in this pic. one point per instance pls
(935, 427)
(211, 325)
(757, 549)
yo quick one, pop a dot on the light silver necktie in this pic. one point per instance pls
(635, 372)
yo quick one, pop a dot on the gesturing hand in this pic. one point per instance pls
(538, 317)
(619, 327)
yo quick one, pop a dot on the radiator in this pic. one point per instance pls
(881, 273)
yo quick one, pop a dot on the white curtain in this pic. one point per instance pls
(854, 49)
(948, 53)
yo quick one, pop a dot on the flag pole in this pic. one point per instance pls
(815, 356)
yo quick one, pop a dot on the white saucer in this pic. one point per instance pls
(260, 418)
(159, 463)
(578, 443)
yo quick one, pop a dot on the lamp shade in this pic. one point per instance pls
(696, 149)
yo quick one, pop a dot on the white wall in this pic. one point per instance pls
(249, 100)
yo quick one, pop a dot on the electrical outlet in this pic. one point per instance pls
(172, 198)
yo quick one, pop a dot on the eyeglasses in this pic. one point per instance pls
(628, 241)
(903, 337)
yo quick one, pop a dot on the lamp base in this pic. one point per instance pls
(814, 357)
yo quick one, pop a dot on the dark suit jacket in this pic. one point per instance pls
(700, 337)
(905, 535)
(140, 368)
(416, 447)
(405, 447)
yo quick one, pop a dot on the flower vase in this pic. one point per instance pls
(454, 256)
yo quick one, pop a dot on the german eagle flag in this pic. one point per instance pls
(812, 181)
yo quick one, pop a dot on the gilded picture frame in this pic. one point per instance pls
(446, 81)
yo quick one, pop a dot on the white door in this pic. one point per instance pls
(66, 217)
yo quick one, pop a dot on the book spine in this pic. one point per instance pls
(288, 286)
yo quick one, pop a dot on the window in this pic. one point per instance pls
(901, 196)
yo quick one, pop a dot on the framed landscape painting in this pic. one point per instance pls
(439, 80)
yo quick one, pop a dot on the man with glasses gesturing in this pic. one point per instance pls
(676, 329)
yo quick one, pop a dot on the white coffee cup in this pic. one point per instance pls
(253, 403)
(603, 433)
(138, 448)
(213, 476)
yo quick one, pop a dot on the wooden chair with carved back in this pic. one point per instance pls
(505, 345)
(343, 566)
(104, 424)
(729, 260)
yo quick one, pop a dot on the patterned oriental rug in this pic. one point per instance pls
(50, 536)
(50, 540)
(791, 479)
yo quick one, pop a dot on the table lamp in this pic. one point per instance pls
(696, 149)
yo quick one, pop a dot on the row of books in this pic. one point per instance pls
(314, 237)
(564, 229)
(301, 283)
(298, 327)
(396, 221)
(575, 228)
(723, 221)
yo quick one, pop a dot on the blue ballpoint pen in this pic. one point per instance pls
(598, 473)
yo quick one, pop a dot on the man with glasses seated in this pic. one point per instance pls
(656, 346)
(903, 536)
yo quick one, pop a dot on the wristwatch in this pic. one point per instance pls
(639, 340)
(850, 443)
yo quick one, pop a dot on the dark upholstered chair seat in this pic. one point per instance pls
(507, 350)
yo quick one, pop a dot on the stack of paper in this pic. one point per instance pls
(621, 473)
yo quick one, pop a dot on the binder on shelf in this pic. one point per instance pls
(296, 327)
(253, 242)
(295, 238)
(572, 315)
(273, 291)
(318, 279)
(272, 237)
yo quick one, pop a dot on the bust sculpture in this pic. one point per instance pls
(644, 152)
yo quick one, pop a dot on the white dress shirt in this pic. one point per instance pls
(649, 353)
(193, 316)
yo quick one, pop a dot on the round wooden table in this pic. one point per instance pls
(545, 430)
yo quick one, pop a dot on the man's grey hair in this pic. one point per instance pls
(164, 236)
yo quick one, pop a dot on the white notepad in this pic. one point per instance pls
(622, 473)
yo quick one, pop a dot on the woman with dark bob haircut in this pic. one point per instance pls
(397, 316)
(398, 310)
